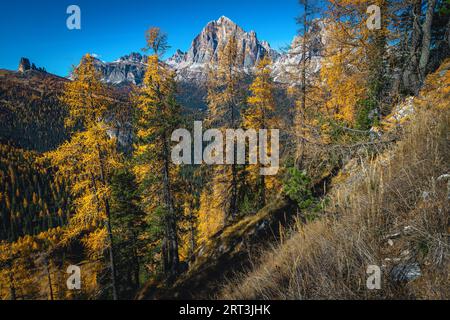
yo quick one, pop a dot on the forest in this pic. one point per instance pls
(363, 179)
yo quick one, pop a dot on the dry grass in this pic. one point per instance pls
(389, 211)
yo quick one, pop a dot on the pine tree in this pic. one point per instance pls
(129, 225)
(158, 115)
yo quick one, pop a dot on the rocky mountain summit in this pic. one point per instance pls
(286, 67)
(204, 50)
(216, 34)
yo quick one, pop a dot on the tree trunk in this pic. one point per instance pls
(426, 39)
(301, 113)
(137, 270)
(193, 243)
(263, 192)
(234, 192)
(12, 289)
(234, 184)
(109, 230)
(111, 251)
(411, 74)
(47, 269)
(170, 220)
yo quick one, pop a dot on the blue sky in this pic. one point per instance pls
(113, 28)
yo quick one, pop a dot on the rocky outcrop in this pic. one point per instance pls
(177, 58)
(286, 68)
(205, 47)
(25, 65)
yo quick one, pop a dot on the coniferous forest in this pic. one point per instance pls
(351, 176)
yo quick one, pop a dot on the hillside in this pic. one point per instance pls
(30, 112)
(31, 199)
(229, 170)
(390, 211)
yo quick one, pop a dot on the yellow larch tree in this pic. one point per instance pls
(225, 99)
(88, 160)
(341, 73)
(260, 115)
(353, 66)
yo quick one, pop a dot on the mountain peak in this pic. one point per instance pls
(216, 34)
(224, 19)
(191, 66)
(134, 57)
(177, 58)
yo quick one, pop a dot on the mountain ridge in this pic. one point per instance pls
(191, 65)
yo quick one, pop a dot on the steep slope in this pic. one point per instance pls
(30, 112)
(225, 253)
(390, 212)
(31, 199)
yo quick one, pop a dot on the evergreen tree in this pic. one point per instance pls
(158, 115)
(128, 229)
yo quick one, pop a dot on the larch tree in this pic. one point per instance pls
(260, 115)
(87, 160)
(305, 52)
(158, 116)
(353, 60)
(226, 98)
(302, 70)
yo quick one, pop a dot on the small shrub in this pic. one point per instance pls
(297, 187)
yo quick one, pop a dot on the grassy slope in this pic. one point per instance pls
(391, 211)
(371, 200)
